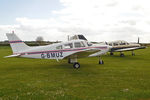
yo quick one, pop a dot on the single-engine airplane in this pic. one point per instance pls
(71, 50)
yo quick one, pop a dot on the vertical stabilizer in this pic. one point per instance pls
(16, 44)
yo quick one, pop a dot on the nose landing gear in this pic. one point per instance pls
(133, 54)
(101, 62)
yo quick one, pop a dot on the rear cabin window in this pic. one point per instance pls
(68, 46)
(122, 43)
(59, 47)
(79, 44)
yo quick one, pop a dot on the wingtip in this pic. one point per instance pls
(5, 57)
(12, 56)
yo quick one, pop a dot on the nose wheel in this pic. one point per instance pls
(133, 54)
(101, 62)
(111, 53)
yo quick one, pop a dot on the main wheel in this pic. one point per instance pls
(121, 55)
(76, 65)
(101, 62)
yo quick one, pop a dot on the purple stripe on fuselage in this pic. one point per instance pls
(67, 50)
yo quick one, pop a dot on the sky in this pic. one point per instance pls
(97, 20)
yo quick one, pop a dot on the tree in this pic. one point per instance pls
(40, 40)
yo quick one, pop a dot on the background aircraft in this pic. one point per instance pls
(116, 46)
(121, 46)
(72, 50)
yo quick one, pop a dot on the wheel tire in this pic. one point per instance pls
(76, 65)
(101, 62)
(111, 53)
(121, 55)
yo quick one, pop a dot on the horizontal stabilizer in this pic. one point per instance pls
(12, 56)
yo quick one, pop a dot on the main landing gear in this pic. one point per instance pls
(121, 54)
(76, 65)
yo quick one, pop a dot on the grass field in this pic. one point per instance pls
(126, 78)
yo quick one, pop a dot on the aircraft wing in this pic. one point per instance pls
(16, 55)
(82, 54)
(129, 49)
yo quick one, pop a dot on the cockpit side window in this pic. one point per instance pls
(110, 44)
(79, 44)
(89, 44)
(115, 44)
(59, 47)
(68, 46)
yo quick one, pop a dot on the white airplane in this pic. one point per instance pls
(71, 50)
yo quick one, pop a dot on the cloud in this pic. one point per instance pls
(98, 20)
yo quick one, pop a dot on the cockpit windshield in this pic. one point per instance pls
(78, 37)
(82, 37)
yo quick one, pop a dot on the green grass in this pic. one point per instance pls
(126, 78)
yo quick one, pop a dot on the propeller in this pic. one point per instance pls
(138, 40)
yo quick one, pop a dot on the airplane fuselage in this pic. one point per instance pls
(52, 52)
